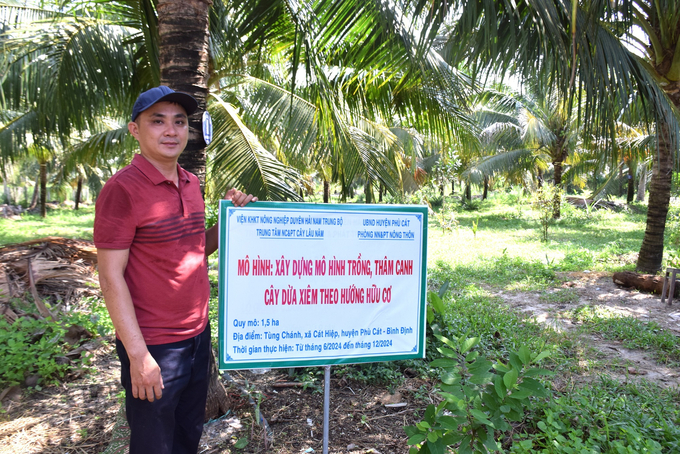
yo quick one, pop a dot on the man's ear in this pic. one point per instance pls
(134, 129)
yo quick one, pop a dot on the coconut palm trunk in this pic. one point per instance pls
(664, 60)
(79, 191)
(368, 191)
(43, 189)
(630, 194)
(183, 55)
(557, 206)
(642, 183)
(651, 252)
(36, 191)
(183, 58)
(559, 154)
(326, 191)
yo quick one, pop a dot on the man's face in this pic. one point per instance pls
(162, 131)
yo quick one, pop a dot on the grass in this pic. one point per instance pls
(630, 331)
(497, 246)
(601, 240)
(67, 223)
(559, 296)
(609, 417)
(493, 246)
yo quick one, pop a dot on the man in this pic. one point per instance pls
(152, 248)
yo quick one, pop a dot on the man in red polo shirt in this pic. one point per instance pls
(152, 245)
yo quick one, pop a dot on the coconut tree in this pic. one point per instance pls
(58, 64)
(348, 81)
(614, 170)
(43, 155)
(593, 49)
(54, 66)
(660, 21)
(522, 131)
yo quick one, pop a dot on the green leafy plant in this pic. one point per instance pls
(545, 202)
(31, 347)
(606, 416)
(98, 319)
(382, 374)
(475, 224)
(37, 347)
(471, 205)
(446, 220)
(435, 304)
(480, 398)
(241, 443)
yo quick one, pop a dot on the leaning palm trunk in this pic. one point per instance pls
(651, 252)
(36, 190)
(183, 49)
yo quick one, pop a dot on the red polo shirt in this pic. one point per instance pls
(163, 226)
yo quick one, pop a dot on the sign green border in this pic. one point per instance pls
(226, 205)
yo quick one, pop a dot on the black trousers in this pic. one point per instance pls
(174, 423)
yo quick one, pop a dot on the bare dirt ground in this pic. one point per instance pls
(79, 415)
(598, 289)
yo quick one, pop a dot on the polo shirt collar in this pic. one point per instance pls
(152, 173)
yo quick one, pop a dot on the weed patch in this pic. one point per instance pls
(632, 332)
(560, 296)
(607, 417)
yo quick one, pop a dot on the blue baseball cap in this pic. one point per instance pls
(161, 94)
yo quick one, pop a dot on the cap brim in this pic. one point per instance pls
(187, 101)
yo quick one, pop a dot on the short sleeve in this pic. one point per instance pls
(115, 222)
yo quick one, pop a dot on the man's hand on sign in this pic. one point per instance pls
(238, 198)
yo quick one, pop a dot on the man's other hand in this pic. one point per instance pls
(147, 382)
(238, 198)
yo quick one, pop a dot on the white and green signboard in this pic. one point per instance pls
(320, 284)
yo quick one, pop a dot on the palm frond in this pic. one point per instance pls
(506, 161)
(63, 66)
(114, 144)
(534, 37)
(277, 115)
(16, 134)
(239, 160)
(610, 185)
